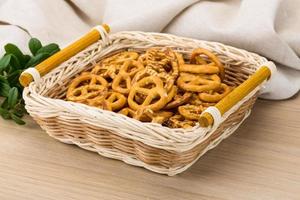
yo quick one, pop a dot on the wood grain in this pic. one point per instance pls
(260, 161)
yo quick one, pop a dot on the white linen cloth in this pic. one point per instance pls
(268, 27)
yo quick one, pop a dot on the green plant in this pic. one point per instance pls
(12, 64)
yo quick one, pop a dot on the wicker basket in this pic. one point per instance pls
(149, 145)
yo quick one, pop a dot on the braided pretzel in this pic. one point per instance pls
(86, 86)
(127, 71)
(194, 83)
(178, 121)
(216, 95)
(191, 112)
(211, 56)
(108, 101)
(156, 97)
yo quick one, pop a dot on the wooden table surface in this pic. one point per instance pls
(260, 161)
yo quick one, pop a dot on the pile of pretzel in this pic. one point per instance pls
(157, 86)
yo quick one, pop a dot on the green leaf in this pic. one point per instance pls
(17, 119)
(4, 62)
(49, 49)
(14, 63)
(4, 87)
(4, 113)
(4, 104)
(12, 97)
(37, 59)
(34, 45)
(13, 49)
(27, 58)
(13, 78)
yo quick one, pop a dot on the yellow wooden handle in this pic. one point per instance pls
(63, 55)
(237, 94)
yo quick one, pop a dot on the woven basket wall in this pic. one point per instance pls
(149, 145)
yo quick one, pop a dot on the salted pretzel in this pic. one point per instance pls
(178, 121)
(216, 95)
(126, 73)
(158, 86)
(212, 57)
(162, 63)
(178, 100)
(108, 101)
(167, 79)
(197, 83)
(160, 57)
(158, 117)
(191, 112)
(147, 115)
(140, 98)
(156, 96)
(86, 86)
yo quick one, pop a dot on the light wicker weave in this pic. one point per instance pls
(149, 145)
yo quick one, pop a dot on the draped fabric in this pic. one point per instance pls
(268, 27)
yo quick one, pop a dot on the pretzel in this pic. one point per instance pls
(199, 69)
(191, 112)
(180, 59)
(216, 95)
(167, 79)
(109, 67)
(156, 96)
(86, 86)
(158, 117)
(162, 63)
(197, 52)
(106, 71)
(178, 100)
(140, 98)
(199, 61)
(108, 101)
(178, 121)
(127, 71)
(159, 56)
(120, 58)
(128, 112)
(195, 100)
(196, 83)
(158, 86)
(147, 115)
